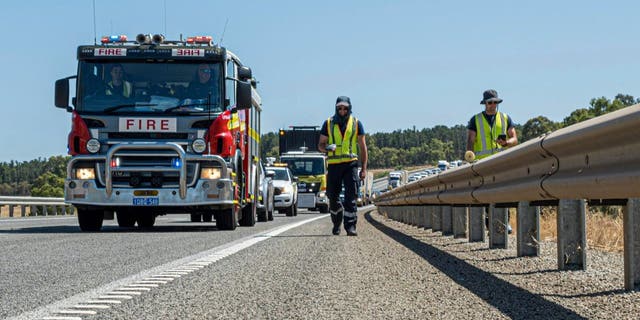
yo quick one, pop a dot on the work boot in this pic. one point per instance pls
(351, 231)
(336, 218)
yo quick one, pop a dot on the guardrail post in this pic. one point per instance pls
(459, 222)
(45, 212)
(436, 219)
(631, 222)
(498, 220)
(417, 212)
(447, 222)
(23, 210)
(426, 211)
(528, 229)
(414, 216)
(572, 239)
(476, 224)
(10, 211)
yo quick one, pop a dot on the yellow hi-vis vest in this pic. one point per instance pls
(485, 144)
(126, 89)
(346, 146)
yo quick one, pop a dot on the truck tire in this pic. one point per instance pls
(146, 219)
(270, 215)
(207, 217)
(248, 215)
(126, 218)
(289, 211)
(324, 209)
(226, 219)
(262, 215)
(196, 217)
(90, 220)
(295, 209)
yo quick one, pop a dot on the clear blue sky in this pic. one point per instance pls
(403, 63)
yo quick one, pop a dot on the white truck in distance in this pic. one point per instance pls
(398, 178)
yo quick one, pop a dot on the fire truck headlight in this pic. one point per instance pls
(93, 145)
(85, 173)
(198, 145)
(210, 173)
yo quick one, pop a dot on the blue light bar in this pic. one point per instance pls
(112, 39)
(176, 163)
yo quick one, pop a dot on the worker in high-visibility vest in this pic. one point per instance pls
(342, 137)
(490, 131)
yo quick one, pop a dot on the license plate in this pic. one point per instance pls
(146, 201)
(302, 190)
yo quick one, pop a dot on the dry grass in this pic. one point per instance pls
(604, 231)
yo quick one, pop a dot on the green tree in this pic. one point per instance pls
(48, 185)
(536, 127)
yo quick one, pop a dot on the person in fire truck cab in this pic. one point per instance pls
(117, 86)
(204, 83)
(342, 137)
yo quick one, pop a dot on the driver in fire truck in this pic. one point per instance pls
(117, 86)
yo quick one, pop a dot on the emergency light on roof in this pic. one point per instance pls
(112, 39)
(199, 40)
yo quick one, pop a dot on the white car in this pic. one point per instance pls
(285, 191)
(265, 197)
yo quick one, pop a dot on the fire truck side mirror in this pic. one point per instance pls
(243, 95)
(244, 73)
(62, 93)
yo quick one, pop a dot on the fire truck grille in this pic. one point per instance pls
(156, 177)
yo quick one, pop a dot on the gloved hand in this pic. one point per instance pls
(331, 147)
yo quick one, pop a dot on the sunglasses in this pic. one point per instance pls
(342, 108)
(492, 102)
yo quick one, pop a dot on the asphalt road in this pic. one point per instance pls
(291, 268)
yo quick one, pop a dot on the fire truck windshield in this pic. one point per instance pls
(305, 166)
(149, 87)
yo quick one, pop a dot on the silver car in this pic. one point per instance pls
(265, 196)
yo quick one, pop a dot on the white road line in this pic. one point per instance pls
(62, 318)
(116, 289)
(104, 301)
(91, 306)
(89, 312)
(115, 296)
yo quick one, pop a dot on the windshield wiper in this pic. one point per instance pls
(128, 105)
(187, 106)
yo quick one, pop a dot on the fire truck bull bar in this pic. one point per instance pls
(148, 147)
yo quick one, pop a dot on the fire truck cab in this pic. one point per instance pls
(161, 127)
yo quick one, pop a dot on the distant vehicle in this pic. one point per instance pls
(265, 194)
(297, 150)
(365, 189)
(397, 178)
(285, 190)
(443, 165)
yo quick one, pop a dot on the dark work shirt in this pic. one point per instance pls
(324, 130)
(490, 118)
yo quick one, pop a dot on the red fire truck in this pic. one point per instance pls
(159, 127)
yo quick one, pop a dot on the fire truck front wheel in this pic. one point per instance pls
(90, 220)
(146, 219)
(226, 219)
(126, 218)
(207, 217)
(324, 209)
(196, 217)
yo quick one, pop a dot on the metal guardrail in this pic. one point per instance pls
(37, 206)
(595, 161)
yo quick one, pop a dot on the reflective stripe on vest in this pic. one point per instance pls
(345, 145)
(126, 89)
(485, 144)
